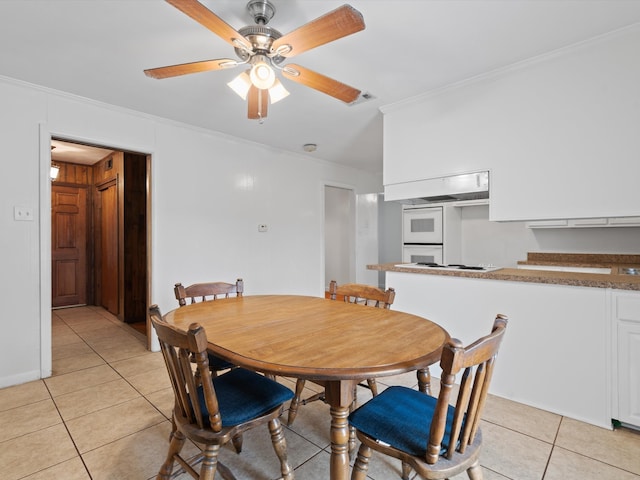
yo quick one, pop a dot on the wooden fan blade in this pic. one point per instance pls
(257, 100)
(185, 68)
(321, 83)
(339, 23)
(210, 20)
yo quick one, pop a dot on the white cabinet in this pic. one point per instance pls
(586, 223)
(626, 316)
(559, 133)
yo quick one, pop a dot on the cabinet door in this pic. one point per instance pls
(625, 221)
(627, 315)
(629, 372)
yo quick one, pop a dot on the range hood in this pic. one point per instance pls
(453, 188)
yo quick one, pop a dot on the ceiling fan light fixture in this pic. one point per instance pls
(262, 75)
(241, 85)
(277, 92)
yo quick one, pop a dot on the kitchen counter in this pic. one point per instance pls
(552, 318)
(614, 280)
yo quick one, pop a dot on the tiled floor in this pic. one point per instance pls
(104, 413)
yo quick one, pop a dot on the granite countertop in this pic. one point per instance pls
(614, 280)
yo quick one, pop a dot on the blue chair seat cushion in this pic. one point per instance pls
(217, 363)
(244, 395)
(401, 417)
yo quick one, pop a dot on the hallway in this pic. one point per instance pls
(104, 415)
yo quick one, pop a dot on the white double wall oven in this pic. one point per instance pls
(422, 235)
(431, 234)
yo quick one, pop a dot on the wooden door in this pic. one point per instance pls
(68, 246)
(108, 246)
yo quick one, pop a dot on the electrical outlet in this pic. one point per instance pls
(262, 227)
(23, 214)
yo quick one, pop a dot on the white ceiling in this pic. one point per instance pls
(76, 153)
(99, 49)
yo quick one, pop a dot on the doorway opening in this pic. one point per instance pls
(339, 235)
(100, 230)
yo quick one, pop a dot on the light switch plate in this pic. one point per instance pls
(23, 214)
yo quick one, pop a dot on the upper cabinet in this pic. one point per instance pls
(558, 133)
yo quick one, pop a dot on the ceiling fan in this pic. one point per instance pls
(264, 48)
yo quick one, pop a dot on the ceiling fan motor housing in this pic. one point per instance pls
(261, 38)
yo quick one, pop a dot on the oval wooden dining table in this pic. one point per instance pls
(333, 342)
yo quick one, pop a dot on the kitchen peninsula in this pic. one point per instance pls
(574, 337)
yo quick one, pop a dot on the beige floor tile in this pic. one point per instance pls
(317, 468)
(76, 363)
(486, 475)
(81, 379)
(122, 352)
(619, 447)
(24, 394)
(151, 381)
(96, 331)
(114, 339)
(163, 400)
(72, 312)
(84, 321)
(72, 469)
(89, 400)
(137, 456)
(522, 418)
(135, 366)
(59, 328)
(27, 419)
(566, 465)
(70, 350)
(381, 467)
(408, 379)
(36, 451)
(258, 460)
(113, 423)
(66, 339)
(513, 454)
(313, 421)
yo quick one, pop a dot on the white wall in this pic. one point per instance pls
(209, 193)
(504, 243)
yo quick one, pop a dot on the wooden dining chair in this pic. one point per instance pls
(207, 291)
(357, 293)
(210, 411)
(202, 292)
(429, 435)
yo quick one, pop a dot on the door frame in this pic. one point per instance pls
(45, 138)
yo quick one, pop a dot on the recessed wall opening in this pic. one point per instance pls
(100, 230)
